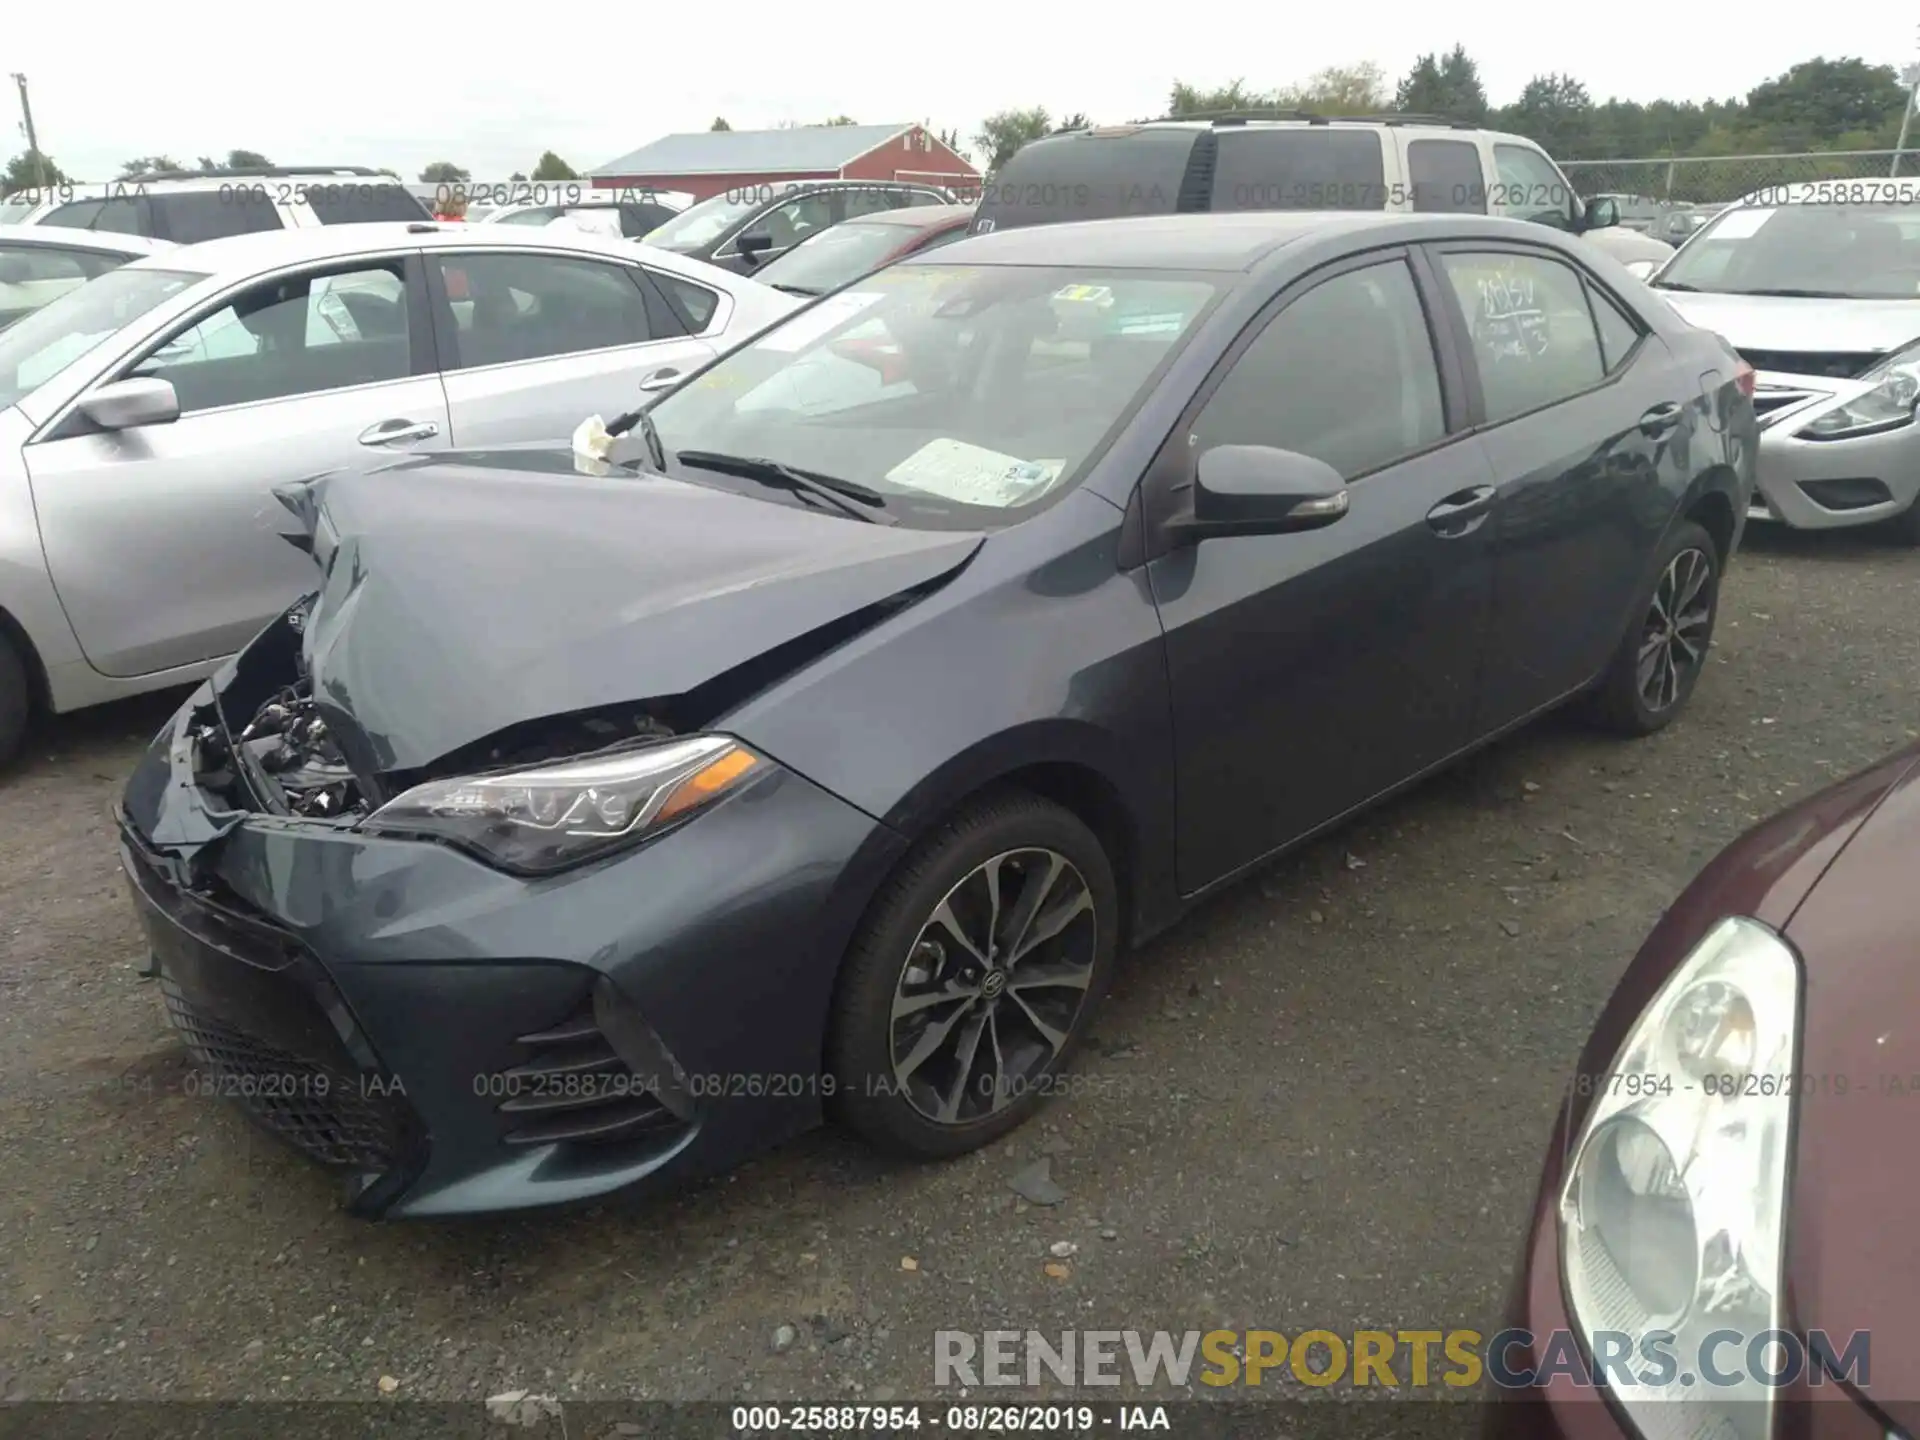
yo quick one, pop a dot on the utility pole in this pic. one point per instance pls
(33, 141)
(1909, 77)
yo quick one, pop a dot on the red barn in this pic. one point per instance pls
(711, 162)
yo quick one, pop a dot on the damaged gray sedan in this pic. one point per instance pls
(814, 753)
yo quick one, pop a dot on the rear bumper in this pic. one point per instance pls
(455, 1039)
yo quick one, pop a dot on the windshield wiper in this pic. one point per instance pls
(1675, 285)
(846, 496)
(1792, 294)
(803, 291)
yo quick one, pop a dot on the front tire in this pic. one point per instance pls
(973, 978)
(16, 701)
(1652, 674)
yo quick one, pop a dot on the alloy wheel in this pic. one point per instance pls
(1673, 642)
(992, 986)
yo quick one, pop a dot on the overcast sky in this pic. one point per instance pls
(402, 84)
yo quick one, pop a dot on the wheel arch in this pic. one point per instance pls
(39, 688)
(1076, 766)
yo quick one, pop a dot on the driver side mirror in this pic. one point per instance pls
(754, 244)
(1260, 490)
(1601, 213)
(127, 404)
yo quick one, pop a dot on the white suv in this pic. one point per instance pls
(188, 206)
(1308, 162)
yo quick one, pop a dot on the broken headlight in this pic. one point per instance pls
(549, 817)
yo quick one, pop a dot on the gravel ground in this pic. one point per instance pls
(1319, 1102)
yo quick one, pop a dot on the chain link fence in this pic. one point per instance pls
(1719, 179)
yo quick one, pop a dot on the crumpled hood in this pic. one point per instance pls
(1779, 322)
(1853, 1256)
(468, 593)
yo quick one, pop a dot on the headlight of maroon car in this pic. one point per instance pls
(1672, 1213)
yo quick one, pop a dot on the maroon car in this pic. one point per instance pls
(843, 253)
(1723, 1244)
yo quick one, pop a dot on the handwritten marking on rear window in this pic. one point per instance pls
(1511, 324)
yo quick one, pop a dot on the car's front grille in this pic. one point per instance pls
(574, 1086)
(1829, 364)
(340, 1120)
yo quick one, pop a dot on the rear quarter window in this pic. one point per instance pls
(1088, 177)
(1300, 169)
(349, 203)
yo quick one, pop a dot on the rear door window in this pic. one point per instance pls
(192, 216)
(1088, 177)
(1446, 177)
(125, 215)
(352, 203)
(509, 307)
(1309, 168)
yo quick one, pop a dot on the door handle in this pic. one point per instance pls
(1461, 512)
(661, 380)
(388, 431)
(1659, 420)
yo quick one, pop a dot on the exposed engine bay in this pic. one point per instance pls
(292, 749)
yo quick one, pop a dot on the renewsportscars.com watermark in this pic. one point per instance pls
(1397, 1359)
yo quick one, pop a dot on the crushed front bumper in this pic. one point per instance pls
(1827, 484)
(455, 1039)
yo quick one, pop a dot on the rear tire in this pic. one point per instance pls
(1652, 674)
(957, 1008)
(16, 700)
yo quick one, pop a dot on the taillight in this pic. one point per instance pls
(1743, 377)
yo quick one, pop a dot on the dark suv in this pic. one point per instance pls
(742, 229)
(187, 206)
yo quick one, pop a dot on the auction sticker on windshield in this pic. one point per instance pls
(1739, 224)
(820, 319)
(972, 475)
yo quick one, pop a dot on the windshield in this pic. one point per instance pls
(43, 344)
(830, 259)
(16, 208)
(1866, 250)
(963, 395)
(707, 221)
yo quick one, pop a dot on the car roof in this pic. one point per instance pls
(269, 249)
(1225, 241)
(67, 235)
(922, 216)
(1255, 123)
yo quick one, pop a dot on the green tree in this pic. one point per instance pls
(1444, 85)
(1338, 90)
(517, 177)
(841, 120)
(951, 139)
(444, 172)
(1557, 113)
(719, 123)
(1075, 121)
(552, 167)
(1002, 134)
(31, 170)
(1818, 100)
(1186, 100)
(246, 160)
(145, 163)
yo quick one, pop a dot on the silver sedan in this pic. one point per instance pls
(146, 416)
